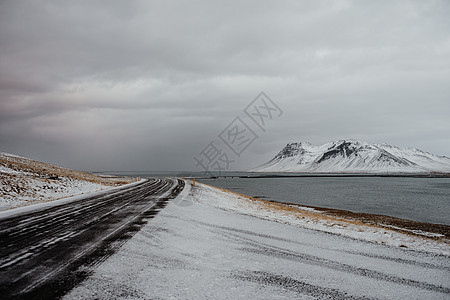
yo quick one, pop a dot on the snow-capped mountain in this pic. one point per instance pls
(351, 156)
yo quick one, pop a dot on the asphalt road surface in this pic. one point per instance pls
(45, 253)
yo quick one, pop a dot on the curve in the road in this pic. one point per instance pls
(45, 253)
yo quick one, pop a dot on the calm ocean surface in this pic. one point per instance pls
(420, 199)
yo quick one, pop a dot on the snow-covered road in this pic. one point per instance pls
(200, 251)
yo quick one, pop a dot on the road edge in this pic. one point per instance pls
(40, 206)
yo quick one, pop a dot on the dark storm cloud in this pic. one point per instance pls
(147, 84)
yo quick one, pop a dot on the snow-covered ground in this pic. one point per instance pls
(213, 244)
(24, 181)
(26, 191)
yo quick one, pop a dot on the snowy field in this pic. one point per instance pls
(21, 191)
(24, 181)
(211, 244)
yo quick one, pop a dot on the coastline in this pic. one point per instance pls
(431, 230)
(412, 203)
(382, 229)
(389, 222)
(210, 243)
(295, 174)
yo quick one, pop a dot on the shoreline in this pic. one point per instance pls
(213, 244)
(432, 231)
(388, 222)
(308, 175)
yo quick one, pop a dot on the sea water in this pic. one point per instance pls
(419, 199)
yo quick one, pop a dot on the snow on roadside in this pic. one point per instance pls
(206, 245)
(42, 205)
(26, 191)
(309, 218)
(25, 181)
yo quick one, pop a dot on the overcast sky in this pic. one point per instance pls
(146, 85)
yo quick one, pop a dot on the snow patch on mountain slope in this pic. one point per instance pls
(353, 156)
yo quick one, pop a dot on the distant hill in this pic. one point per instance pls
(351, 156)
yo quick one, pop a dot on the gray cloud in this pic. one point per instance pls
(147, 84)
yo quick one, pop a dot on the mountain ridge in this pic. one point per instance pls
(352, 156)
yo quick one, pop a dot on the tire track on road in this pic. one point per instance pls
(45, 253)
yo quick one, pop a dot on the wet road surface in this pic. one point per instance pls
(47, 252)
